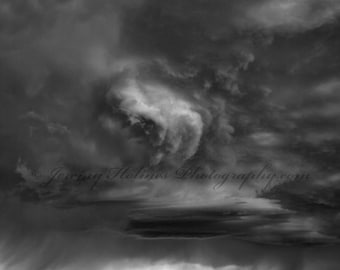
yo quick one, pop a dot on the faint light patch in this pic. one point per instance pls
(53, 128)
(131, 265)
(292, 15)
(228, 203)
(266, 139)
(328, 88)
(303, 227)
(301, 224)
(333, 179)
(330, 109)
(30, 178)
(319, 136)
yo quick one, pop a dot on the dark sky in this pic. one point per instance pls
(105, 103)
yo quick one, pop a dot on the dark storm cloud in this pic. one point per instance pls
(228, 84)
(51, 54)
(57, 55)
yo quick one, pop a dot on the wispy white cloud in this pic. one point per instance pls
(293, 15)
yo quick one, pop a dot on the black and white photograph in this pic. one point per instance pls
(169, 134)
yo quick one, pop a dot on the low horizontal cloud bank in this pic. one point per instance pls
(101, 249)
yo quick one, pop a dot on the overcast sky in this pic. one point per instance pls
(205, 96)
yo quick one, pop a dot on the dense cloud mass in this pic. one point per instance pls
(209, 129)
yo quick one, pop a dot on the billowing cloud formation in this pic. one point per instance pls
(83, 43)
(179, 127)
(134, 83)
(228, 88)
